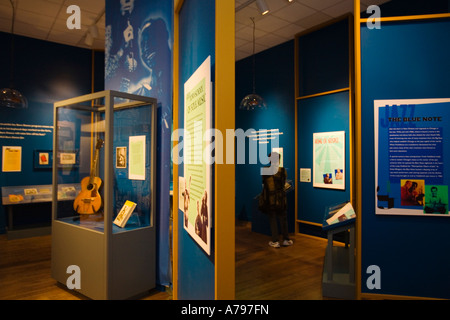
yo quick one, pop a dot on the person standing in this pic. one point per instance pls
(275, 202)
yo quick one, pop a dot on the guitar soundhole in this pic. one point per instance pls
(90, 186)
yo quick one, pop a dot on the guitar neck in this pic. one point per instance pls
(94, 164)
(93, 168)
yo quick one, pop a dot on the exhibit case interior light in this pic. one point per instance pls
(106, 143)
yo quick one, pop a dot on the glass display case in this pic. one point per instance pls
(106, 142)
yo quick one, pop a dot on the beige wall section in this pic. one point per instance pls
(357, 144)
(177, 6)
(224, 173)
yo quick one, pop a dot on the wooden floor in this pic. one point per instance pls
(25, 272)
(286, 273)
(262, 272)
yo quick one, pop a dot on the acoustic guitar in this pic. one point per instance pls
(89, 200)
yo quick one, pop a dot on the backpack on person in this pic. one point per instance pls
(273, 195)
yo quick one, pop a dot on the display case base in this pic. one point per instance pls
(127, 271)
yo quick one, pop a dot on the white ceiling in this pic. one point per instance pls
(285, 20)
(46, 19)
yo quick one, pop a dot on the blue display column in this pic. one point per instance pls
(402, 254)
(138, 60)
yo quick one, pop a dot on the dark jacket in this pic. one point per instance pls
(274, 194)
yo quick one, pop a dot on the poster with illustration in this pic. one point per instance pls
(138, 60)
(329, 160)
(410, 148)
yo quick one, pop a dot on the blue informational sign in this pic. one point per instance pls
(410, 150)
(138, 60)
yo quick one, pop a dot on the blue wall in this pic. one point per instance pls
(274, 74)
(321, 114)
(323, 60)
(45, 72)
(406, 60)
(197, 42)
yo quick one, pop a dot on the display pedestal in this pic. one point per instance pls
(128, 272)
(109, 137)
(338, 279)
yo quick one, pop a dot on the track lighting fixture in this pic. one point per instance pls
(94, 31)
(262, 6)
(91, 35)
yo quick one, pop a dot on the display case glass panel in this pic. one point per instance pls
(106, 145)
(132, 145)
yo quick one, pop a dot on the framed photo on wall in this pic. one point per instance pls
(68, 159)
(43, 159)
(11, 159)
(121, 157)
(329, 160)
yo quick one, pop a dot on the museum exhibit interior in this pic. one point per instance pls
(141, 141)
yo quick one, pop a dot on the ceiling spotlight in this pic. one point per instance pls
(262, 6)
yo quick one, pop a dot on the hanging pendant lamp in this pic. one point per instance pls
(10, 97)
(253, 100)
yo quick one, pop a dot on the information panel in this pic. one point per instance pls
(329, 160)
(410, 148)
(197, 168)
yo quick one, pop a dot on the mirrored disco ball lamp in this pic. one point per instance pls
(253, 101)
(12, 98)
(9, 97)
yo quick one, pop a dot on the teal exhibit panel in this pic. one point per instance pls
(405, 114)
(277, 92)
(196, 268)
(324, 58)
(52, 72)
(324, 115)
(323, 105)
